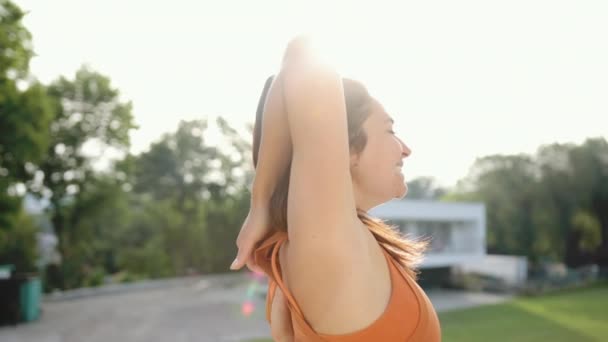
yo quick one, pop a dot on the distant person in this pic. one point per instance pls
(325, 153)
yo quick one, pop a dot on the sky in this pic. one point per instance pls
(462, 79)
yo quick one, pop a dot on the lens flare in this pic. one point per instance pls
(248, 308)
(258, 280)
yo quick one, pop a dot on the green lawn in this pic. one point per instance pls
(577, 315)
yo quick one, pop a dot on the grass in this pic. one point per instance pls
(575, 315)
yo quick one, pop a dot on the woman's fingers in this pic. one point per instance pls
(243, 259)
(244, 249)
(245, 255)
(253, 231)
(253, 267)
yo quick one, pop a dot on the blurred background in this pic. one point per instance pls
(125, 168)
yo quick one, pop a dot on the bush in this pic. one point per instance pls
(18, 245)
(95, 277)
(567, 278)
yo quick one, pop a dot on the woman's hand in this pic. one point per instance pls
(254, 229)
(303, 50)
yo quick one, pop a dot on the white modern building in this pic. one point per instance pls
(457, 230)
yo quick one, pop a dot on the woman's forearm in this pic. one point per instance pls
(275, 146)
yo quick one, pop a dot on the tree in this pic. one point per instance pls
(554, 205)
(506, 185)
(16, 43)
(575, 188)
(200, 187)
(25, 112)
(588, 229)
(178, 166)
(88, 111)
(424, 188)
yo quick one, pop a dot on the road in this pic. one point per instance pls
(196, 310)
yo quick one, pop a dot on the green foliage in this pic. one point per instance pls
(143, 243)
(16, 42)
(177, 166)
(88, 110)
(424, 188)
(589, 229)
(18, 244)
(173, 210)
(95, 277)
(553, 205)
(25, 113)
(202, 199)
(24, 133)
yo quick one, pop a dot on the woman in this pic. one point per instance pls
(325, 153)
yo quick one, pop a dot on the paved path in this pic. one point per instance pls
(446, 300)
(196, 310)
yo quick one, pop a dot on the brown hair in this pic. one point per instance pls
(407, 252)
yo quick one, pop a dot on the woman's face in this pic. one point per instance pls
(376, 171)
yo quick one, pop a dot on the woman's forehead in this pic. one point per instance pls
(379, 114)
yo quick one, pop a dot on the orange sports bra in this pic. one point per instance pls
(409, 315)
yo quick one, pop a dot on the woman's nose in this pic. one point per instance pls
(405, 150)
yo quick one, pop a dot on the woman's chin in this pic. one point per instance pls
(402, 192)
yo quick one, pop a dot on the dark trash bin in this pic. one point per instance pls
(19, 296)
(9, 296)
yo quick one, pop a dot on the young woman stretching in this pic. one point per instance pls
(325, 153)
